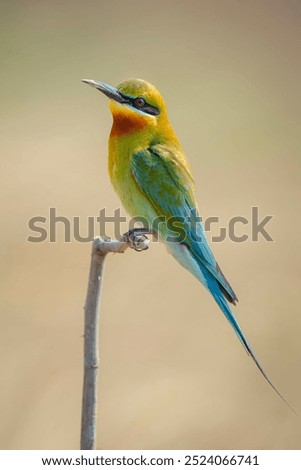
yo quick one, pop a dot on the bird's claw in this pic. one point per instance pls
(137, 239)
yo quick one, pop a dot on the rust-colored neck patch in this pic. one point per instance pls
(126, 123)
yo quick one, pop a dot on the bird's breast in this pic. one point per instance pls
(120, 171)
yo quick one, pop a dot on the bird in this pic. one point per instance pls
(150, 173)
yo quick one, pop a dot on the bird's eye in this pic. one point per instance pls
(139, 102)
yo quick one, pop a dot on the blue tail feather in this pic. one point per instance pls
(197, 267)
(224, 306)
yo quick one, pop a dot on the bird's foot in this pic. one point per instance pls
(136, 238)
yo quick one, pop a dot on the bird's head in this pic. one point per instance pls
(134, 103)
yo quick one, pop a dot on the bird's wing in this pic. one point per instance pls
(162, 175)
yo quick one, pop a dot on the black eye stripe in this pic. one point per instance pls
(147, 108)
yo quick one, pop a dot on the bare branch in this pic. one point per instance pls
(137, 240)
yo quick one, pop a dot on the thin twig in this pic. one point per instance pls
(100, 248)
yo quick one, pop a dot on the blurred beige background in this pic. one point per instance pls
(173, 374)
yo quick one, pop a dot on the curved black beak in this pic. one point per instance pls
(107, 90)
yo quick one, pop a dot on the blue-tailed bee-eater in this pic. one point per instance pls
(150, 173)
